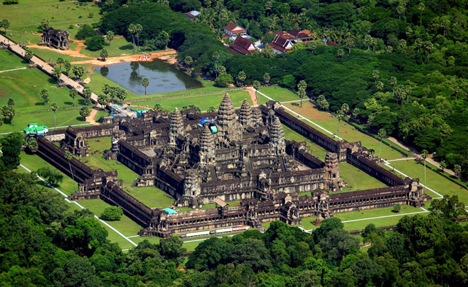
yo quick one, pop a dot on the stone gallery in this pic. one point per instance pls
(232, 155)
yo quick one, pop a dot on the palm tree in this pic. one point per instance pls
(421, 9)
(400, 10)
(103, 100)
(375, 75)
(138, 30)
(345, 108)
(424, 155)
(60, 62)
(339, 116)
(87, 93)
(302, 93)
(368, 41)
(68, 156)
(28, 55)
(356, 112)
(266, 78)
(349, 43)
(393, 82)
(379, 85)
(241, 78)
(54, 108)
(85, 112)
(302, 87)
(443, 165)
(132, 30)
(188, 61)
(45, 95)
(340, 53)
(73, 93)
(106, 89)
(382, 133)
(145, 83)
(57, 73)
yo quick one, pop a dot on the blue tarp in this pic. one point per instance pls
(170, 210)
(205, 120)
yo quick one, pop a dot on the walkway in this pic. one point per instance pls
(253, 96)
(5, 71)
(90, 119)
(46, 67)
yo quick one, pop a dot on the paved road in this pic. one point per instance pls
(4, 71)
(14, 47)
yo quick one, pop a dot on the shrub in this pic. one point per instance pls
(10, 2)
(85, 31)
(112, 213)
(95, 43)
(223, 80)
(51, 175)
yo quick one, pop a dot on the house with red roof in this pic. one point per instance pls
(232, 29)
(241, 46)
(281, 44)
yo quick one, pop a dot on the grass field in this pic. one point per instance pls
(316, 150)
(357, 179)
(10, 61)
(278, 93)
(348, 132)
(28, 14)
(434, 180)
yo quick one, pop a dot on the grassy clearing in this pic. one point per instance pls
(126, 226)
(52, 56)
(10, 61)
(28, 14)
(317, 150)
(358, 179)
(277, 93)
(307, 222)
(348, 132)
(434, 180)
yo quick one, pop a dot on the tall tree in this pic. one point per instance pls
(457, 169)
(85, 112)
(339, 116)
(109, 37)
(103, 54)
(103, 100)
(421, 8)
(132, 30)
(241, 78)
(54, 108)
(73, 93)
(145, 83)
(266, 78)
(11, 102)
(345, 108)
(382, 133)
(45, 95)
(60, 62)
(5, 24)
(256, 85)
(57, 73)
(188, 61)
(375, 75)
(138, 30)
(302, 86)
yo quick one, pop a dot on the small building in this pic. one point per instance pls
(192, 14)
(55, 38)
(36, 130)
(302, 35)
(281, 45)
(241, 46)
(232, 29)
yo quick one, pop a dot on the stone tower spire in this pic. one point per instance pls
(332, 172)
(176, 126)
(226, 113)
(207, 147)
(277, 136)
(245, 114)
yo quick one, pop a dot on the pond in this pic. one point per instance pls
(162, 77)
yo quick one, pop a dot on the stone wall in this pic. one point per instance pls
(373, 169)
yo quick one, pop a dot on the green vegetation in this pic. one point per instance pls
(10, 61)
(358, 179)
(112, 213)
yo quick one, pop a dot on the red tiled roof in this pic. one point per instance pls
(331, 43)
(232, 27)
(233, 51)
(241, 45)
(294, 32)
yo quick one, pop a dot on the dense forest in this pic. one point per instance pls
(43, 243)
(403, 64)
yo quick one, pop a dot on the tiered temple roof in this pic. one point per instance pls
(245, 114)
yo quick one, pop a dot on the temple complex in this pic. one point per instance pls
(232, 155)
(55, 38)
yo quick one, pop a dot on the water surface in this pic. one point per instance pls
(162, 77)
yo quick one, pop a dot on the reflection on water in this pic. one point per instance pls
(162, 77)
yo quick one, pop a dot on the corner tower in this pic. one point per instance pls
(277, 136)
(176, 127)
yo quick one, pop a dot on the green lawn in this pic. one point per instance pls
(434, 180)
(348, 132)
(317, 150)
(372, 213)
(357, 179)
(307, 222)
(28, 14)
(10, 61)
(277, 93)
(52, 55)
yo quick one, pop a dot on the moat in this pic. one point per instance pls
(162, 77)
